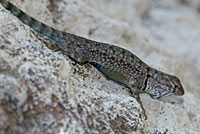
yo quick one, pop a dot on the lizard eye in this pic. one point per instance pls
(174, 89)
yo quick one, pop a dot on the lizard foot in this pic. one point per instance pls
(137, 97)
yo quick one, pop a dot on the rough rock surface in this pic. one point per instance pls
(45, 92)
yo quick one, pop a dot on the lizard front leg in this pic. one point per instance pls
(136, 94)
(137, 97)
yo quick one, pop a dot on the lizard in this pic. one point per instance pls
(116, 63)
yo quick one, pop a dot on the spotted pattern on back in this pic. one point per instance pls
(118, 59)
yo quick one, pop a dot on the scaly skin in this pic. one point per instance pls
(116, 63)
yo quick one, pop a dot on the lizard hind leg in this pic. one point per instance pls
(80, 55)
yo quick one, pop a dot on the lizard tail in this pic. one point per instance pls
(33, 23)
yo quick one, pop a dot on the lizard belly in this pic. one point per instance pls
(111, 74)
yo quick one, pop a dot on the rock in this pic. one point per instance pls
(45, 92)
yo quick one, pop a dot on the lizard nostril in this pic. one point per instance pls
(180, 92)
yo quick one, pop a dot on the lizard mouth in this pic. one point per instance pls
(179, 91)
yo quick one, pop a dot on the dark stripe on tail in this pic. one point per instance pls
(33, 23)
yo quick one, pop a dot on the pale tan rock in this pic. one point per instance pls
(45, 92)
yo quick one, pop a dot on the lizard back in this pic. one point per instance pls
(126, 65)
(109, 56)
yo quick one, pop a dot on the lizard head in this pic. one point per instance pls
(159, 84)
